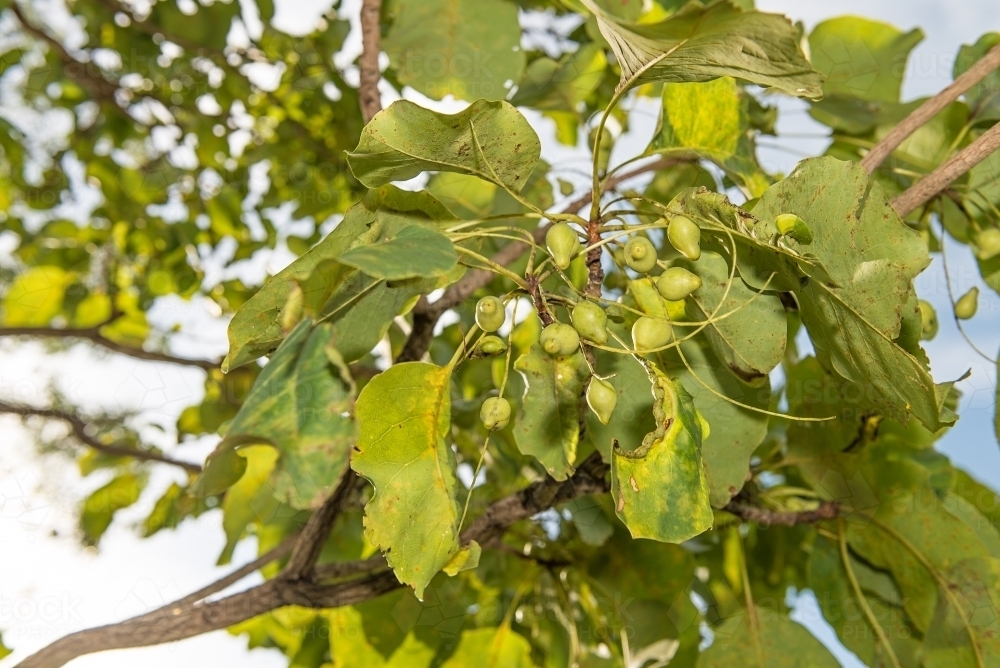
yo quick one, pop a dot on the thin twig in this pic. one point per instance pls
(93, 334)
(827, 510)
(426, 314)
(925, 112)
(371, 101)
(934, 183)
(79, 427)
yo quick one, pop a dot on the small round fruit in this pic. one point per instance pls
(492, 345)
(495, 413)
(563, 243)
(928, 321)
(685, 236)
(591, 322)
(559, 339)
(640, 255)
(967, 305)
(792, 226)
(651, 334)
(988, 244)
(602, 399)
(490, 314)
(676, 283)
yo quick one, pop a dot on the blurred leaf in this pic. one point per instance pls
(548, 85)
(466, 48)
(862, 58)
(100, 507)
(774, 642)
(984, 97)
(491, 648)
(251, 499)
(36, 296)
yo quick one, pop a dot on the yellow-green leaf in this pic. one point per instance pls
(659, 489)
(404, 416)
(36, 296)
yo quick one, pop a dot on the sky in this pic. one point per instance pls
(50, 586)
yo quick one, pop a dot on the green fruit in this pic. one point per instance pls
(591, 322)
(495, 413)
(794, 227)
(676, 283)
(967, 305)
(490, 314)
(988, 244)
(563, 243)
(559, 339)
(492, 345)
(651, 334)
(640, 255)
(685, 236)
(928, 321)
(602, 399)
(294, 308)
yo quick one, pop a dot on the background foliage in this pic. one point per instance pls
(755, 469)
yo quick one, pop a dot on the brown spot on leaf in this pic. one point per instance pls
(621, 503)
(635, 485)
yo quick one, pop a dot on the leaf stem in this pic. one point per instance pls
(862, 600)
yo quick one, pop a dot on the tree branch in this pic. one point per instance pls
(371, 101)
(827, 510)
(882, 150)
(310, 542)
(93, 334)
(934, 183)
(188, 618)
(79, 427)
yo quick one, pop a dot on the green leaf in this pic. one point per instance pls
(751, 341)
(862, 58)
(966, 629)
(782, 644)
(100, 507)
(491, 140)
(710, 119)
(984, 97)
(359, 307)
(404, 416)
(208, 26)
(298, 405)
(4, 650)
(659, 489)
(413, 251)
(843, 611)
(590, 521)
(699, 43)
(491, 648)
(465, 48)
(562, 86)
(548, 422)
(872, 257)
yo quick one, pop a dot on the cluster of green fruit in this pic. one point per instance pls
(589, 319)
